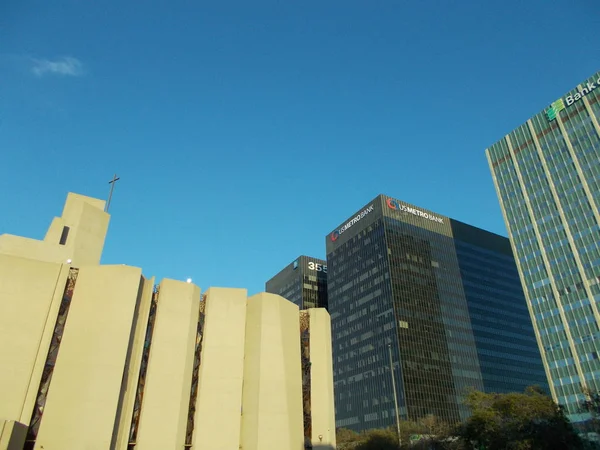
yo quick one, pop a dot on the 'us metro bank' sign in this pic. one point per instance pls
(336, 234)
(397, 206)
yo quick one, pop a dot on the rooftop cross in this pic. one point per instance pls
(112, 186)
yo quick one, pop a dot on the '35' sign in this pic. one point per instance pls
(316, 266)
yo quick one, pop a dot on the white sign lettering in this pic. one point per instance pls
(336, 234)
(317, 266)
(397, 206)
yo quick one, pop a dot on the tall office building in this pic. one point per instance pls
(547, 177)
(303, 282)
(443, 296)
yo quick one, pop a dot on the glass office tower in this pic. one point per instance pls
(547, 177)
(303, 282)
(443, 296)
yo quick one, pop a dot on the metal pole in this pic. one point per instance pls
(395, 396)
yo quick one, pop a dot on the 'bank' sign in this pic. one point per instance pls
(397, 206)
(561, 103)
(336, 234)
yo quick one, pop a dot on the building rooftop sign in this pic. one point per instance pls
(397, 206)
(561, 103)
(336, 234)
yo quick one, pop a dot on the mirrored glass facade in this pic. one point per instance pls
(407, 280)
(547, 177)
(303, 282)
(506, 347)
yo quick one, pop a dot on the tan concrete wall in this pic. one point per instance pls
(272, 392)
(30, 293)
(163, 420)
(86, 238)
(221, 375)
(136, 348)
(321, 378)
(12, 435)
(88, 225)
(72, 203)
(83, 398)
(33, 249)
(55, 231)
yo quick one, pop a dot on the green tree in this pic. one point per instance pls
(409, 428)
(379, 439)
(591, 404)
(346, 439)
(515, 421)
(434, 434)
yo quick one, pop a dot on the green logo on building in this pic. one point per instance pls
(555, 108)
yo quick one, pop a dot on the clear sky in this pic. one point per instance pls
(244, 132)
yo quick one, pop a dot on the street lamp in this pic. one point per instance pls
(395, 396)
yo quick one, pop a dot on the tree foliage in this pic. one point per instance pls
(515, 421)
(384, 439)
(591, 404)
(432, 432)
(346, 439)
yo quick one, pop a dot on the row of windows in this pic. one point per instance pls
(364, 254)
(433, 333)
(579, 221)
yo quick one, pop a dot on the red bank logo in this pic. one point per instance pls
(336, 234)
(397, 206)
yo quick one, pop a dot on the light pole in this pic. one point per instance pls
(395, 396)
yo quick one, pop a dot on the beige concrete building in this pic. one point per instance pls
(99, 357)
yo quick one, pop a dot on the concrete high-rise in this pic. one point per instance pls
(445, 298)
(303, 282)
(99, 357)
(547, 177)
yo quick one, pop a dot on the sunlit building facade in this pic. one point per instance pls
(547, 177)
(99, 356)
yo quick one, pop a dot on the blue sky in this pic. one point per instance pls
(244, 132)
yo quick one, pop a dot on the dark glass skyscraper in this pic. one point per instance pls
(303, 282)
(443, 295)
(547, 177)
